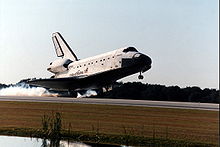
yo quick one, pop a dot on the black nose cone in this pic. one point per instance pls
(145, 60)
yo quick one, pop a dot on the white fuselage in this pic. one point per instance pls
(96, 64)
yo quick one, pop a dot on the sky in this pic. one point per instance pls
(181, 36)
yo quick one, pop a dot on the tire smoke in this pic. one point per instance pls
(88, 93)
(23, 89)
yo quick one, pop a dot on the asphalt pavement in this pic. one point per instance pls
(122, 102)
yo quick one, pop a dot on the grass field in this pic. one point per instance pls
(184, 124)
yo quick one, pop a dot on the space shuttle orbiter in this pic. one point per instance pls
(72, 74)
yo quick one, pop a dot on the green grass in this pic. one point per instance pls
(157, 123)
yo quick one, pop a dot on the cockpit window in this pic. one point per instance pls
(130, 49)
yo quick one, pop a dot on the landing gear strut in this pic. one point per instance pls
(100, 92)
(140, 76)
(72, 93)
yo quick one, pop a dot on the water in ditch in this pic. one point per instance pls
(14, 141)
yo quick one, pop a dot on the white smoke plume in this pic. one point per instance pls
(23, 89)
(88, 93)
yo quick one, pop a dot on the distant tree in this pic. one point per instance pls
(3, 86)
(173, 93)
(141, 91)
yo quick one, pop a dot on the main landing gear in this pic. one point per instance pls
(140, 76)
(72, 93)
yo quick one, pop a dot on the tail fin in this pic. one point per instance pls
(62, 48)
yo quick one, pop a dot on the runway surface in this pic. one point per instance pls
(123, 102)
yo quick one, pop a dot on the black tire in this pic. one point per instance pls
(72, 94)
(140, 77)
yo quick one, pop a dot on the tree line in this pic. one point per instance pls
(3, 86)
(141, 91)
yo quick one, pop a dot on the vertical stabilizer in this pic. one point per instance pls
(62, 48)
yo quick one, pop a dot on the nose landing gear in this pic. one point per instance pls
(140, 76)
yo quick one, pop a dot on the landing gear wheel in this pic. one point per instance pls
(72, 93)
(140, 76)
(100, 92)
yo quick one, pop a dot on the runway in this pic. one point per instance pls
(122, 102)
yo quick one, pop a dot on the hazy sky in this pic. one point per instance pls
(181, 36)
